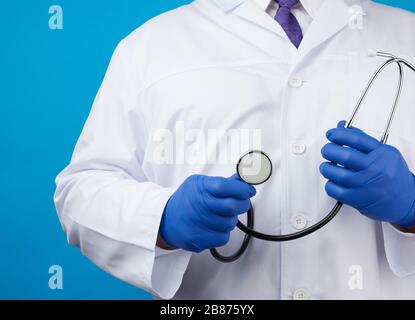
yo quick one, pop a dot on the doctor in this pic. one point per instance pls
(146, 194)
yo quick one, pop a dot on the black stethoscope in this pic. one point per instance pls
(255, 167)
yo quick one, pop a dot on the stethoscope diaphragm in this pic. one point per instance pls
(255, 167)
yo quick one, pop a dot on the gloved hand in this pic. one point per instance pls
(369, 176)
(203, 211)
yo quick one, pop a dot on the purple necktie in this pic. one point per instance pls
(288, 22)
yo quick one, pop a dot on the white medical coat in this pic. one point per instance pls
(227, 64)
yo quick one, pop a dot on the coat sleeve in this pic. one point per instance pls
(400, 250)
(106, 205)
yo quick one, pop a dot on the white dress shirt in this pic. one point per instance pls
(304, 11)
(227, 65)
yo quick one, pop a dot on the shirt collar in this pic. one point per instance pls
(311, 6)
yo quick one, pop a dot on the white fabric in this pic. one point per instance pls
(226, 64)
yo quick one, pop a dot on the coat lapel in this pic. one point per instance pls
(332, 17)
(252, 13)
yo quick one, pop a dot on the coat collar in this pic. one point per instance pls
(228, 5)
(331, 18)
(311, 6)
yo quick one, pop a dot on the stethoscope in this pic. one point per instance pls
(255, 167)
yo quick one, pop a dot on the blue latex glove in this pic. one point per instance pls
(203, 211)
(369, 176)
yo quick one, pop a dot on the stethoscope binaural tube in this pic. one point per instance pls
(249, 228)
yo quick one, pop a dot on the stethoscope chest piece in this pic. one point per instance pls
(255, 167)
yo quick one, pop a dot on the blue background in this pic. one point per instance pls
(49, 79)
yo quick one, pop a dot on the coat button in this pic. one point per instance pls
(298, 221)
(295, 81)
(298, 148)
(301, 294)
